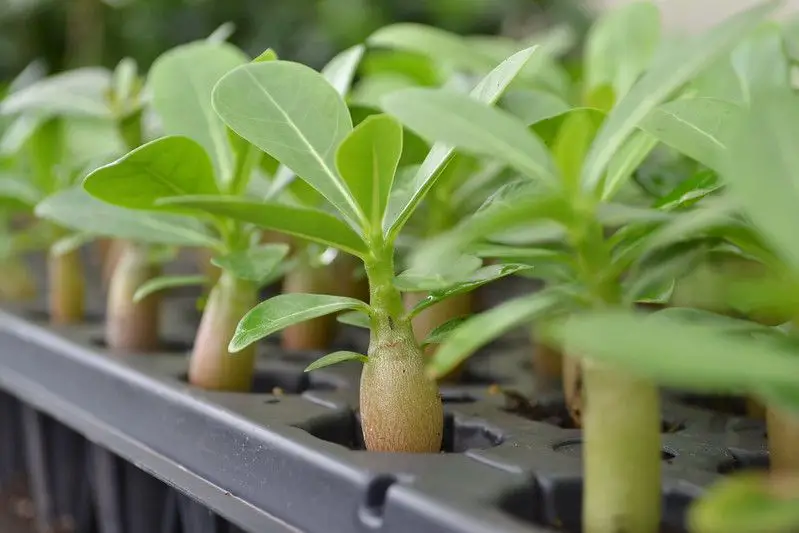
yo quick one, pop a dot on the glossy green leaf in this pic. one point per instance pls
(367, 160)
(335, 358)
(74, 208)
(480, 329)
(266, 55)
(166, 167)
(673, 70)
(270, 105)
(181, 81)
(80, 92)
(302, 222)
(339, 72)
(461, 121)
(254, 264)
(571, 143)
(746, 502)
(620, 46)
(697, 127)
(440, 333)
(284, 310)
(165, 283)
(693, 356)
(355, 318)
(478, 278)
(488, 91)
(763, 147)
(690, 191)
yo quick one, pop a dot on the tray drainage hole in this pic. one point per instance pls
(170, 346)
(574, 447)
(744, 461)
(372, 509)
(344, 429)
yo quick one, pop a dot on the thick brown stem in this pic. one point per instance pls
(316, 334)
(435, 315)
(783, 440)
(132, 326)
(66, 287)
(348, 283)
(16, 282)
(547, 366)
(401, 409)
(113, 251)
(621, 452)
(573, 388)
(211, 365)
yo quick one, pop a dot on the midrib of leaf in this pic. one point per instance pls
(692, 126)
(333, 177)
(283, 318)
(161, 178)
(376, 216)
(208, 114)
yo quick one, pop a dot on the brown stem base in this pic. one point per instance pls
(401, 408)
(573, 389)
(66, 287)
(318, 333)
(783, 440)
(132, 326)
(211, 365)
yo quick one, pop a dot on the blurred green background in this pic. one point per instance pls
(68, 33)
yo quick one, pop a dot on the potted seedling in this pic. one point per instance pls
(567, 196)
(267, 103)
(713, 353)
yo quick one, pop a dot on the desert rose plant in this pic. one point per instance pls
(270, 105)
(566, 197)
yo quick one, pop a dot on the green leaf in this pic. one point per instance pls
(478, 278)
(440, 333)
(303, 222)
(335, 358)
(443, 276)
(763, 167)
(480, 329)
(620, 46)
(624, 162)
(81, 92)
(166, 167)
(367, 160)
(254, 264)
(531, 106)
(284, 310)
(761, 59)
(266, 55)
(672, 71)
(746, 502)
(694, 356)
(74, 208)
(222, 33)
(166, 282)
(269, 104)
(697, 127)
(687, 193)
(181, 81)
(440, 45)
(488, 91)
(355, 318)
(19, 189)
(461, 121)
(339, 72)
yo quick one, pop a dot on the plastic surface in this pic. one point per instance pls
(288, 457)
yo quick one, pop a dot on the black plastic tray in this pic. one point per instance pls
(287, 457)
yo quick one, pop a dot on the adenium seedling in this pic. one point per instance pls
(597, 253)
(354, 169)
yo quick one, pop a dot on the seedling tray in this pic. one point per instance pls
(120, 443)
